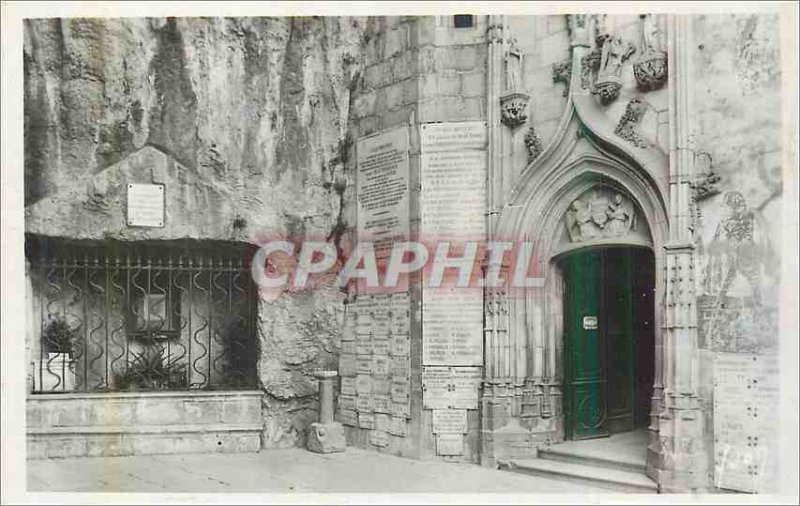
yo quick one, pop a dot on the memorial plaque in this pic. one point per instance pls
(397, 426)
(382, 403)
(348, 417)
(400, 323)
(451, 387)
(401, 345)
(380, 365)
(401, 367)
(450, 421)
(364, 364)
(453, 136)
(436, 388)
(399, 303)
(347, 365)
(146, 205)
(466, 382)
(381, 324)
(450, 444)
(364, 384)
(452, 327)
(382, 304)
(366, 420)
(382, 421)
(401, 409)
(365, 403)
(453, 193)
(348, 347)
(348, 386)
(746, 435)
(347, 402)
(382, 191)
(379, 438)
(381, 385)
(381, 346)
(364, 344)
(400, 389)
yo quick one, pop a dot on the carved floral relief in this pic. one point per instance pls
(600, 214)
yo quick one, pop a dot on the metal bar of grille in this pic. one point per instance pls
(142, 320)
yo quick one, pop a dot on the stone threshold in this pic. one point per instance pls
(142, 429)
(133, 395)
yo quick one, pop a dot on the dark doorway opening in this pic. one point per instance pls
(609, 344)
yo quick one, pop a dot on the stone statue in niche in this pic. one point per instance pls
(600, 214)
(513, 68)
(613, 54)
(579, 29)
(514, 102)
(650, 70)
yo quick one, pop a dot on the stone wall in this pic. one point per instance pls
(245, 121)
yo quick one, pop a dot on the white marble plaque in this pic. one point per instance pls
(364, 384)
(381, 385)
(364, 344)
(453, 136)
(379, 438)
(452, 325)
(401, 409)
(347, 402)
(453, 195)
(366, 420)
(400, 389)
(397, 426)
(382, 404)
(451, 387)
(364, 364)
(380, 365)
(401, 367)
(381, 346)
(382, 188)
(400, 345)
(450, 444)
(365, 403)
(436, 383)
(347, 365)
(450, 421)
(466, 384)
(146, 205)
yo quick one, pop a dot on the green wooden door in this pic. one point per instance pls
(600, 335)
(584, 353)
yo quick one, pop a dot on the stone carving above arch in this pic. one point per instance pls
(603, 213)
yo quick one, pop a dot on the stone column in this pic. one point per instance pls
(326, 436)
(677, 461)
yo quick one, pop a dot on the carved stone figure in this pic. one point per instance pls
(578, 29)
(626, 128)
(600, 214)
(513, 68)
(562, 73)
(613, 54)
(650, 70)
(514, 108)
(533, 144)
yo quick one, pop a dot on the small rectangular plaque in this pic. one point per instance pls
(450, 444)
(589, 322)
(146, 205)
(451, 421)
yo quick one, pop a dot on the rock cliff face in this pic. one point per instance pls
(245, 120)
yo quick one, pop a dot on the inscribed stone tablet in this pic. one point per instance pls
(364, 364)
(380, 365)
(436, 389)
(348, 347)
(379, 438)
(400, 345)
(382, 404)
(381, 346)
(348, 417)
(146, 205)
(366, 420)
(400, 389)
(397, 426)
(450, 444)
(401, 367)
(364, 384)
(381, 385)
(450, 421)
(364, 344)
(401, 409)
(382, 192)
(347, 402)
(365, 404)
(348, 386)
(347, 365)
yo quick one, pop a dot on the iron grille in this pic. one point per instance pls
(121, 317)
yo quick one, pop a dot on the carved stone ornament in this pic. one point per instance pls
(626, 128)
(532, 144)
(562, 73)
(578, 29)
(589, 64)
(599, 214)
(650, 70)
(514, 108)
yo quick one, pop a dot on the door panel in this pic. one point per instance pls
(584, 347)
(618, 307)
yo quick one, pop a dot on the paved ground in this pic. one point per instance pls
(282, 471)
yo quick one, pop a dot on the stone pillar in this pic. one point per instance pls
(326, 436)
(678, 460)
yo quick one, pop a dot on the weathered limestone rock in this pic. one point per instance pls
(326, 437)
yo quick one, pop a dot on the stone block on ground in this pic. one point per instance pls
(326, 438)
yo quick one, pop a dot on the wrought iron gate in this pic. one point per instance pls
(142, 317)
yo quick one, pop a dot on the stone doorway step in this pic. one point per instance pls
(616, 463)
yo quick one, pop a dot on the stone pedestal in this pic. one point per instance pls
(326, 436)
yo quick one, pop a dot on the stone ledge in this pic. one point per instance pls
(128, 395)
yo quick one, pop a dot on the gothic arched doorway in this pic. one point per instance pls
(609, 341)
